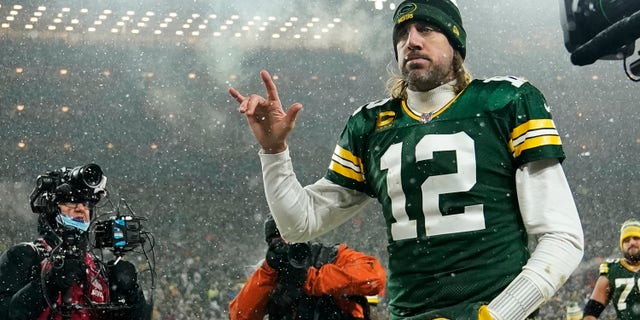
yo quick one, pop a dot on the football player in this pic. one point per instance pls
(466, 172)
(618, 281)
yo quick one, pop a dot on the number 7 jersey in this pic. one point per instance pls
(624, 288)
(446, 183)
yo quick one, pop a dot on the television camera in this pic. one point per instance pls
(67, 184)
(603, 29)
(119, 233)
(119, 230)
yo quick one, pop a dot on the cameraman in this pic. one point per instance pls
(56, 276)
(308, 281)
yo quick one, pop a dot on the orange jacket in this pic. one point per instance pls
(352, 273)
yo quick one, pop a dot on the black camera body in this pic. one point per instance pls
(72, 246)
(602, 29)
(120, 233)
(299, 255)
(584, 19)
(85, 179)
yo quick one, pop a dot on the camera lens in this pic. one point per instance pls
(86, 176)
(299, 255)
(92, 175)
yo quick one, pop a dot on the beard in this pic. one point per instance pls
(632, 257)
(425, 80)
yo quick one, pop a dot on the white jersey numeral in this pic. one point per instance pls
(627, 284)
(462, 180)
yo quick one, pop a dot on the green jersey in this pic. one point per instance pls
(623, 288)
(446, 182)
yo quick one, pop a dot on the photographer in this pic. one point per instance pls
(308, 281)
(57, 276)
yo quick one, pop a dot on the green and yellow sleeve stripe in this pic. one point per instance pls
(344, 163)
(533, 134)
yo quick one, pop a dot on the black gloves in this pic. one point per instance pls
(277, 255)
(125, 292)
(290, 261)
(123, 282)
(270, 230)
(65, 272)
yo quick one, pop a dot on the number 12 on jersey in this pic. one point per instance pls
(461, 181)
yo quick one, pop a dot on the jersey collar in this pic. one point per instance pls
(628, 266)
(424, 106)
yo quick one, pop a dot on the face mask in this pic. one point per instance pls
(77, 223)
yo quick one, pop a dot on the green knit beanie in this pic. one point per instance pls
(443, 14)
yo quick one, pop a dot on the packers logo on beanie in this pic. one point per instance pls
(443, 14)
(630, 228)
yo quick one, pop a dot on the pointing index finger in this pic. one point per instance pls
(236, 95)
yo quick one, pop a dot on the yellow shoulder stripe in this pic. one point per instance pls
(536, 142)
(532, 125)
(346, 172)
(346, 164)
(604, 268)
(532, 134)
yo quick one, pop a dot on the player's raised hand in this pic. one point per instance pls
(268, 120)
